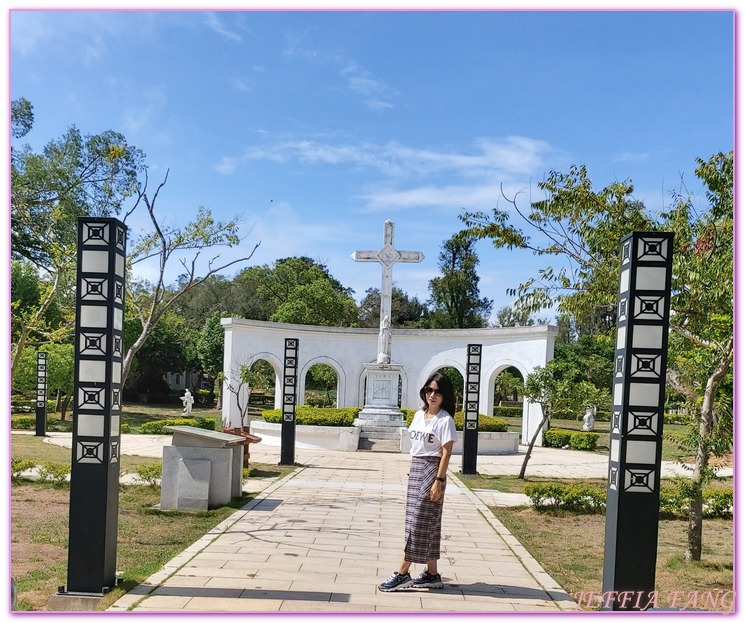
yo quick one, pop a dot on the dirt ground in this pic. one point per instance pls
(38, 519)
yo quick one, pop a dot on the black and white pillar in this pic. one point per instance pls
(41, 394)
(471, 409)
(632, 510)
(99, 350)
(289, 400)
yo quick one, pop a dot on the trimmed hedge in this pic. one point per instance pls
(23, 422)
(578, 498)
(315, 416)
(584, 441)
(716, 503)
(156, 428)
(585, 498)
(487, 424)
(508, 412)
(557, 438)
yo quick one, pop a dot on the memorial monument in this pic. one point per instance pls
(380, 416)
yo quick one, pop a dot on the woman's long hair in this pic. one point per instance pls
(446, 389)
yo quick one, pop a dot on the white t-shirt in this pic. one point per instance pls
(428, 436)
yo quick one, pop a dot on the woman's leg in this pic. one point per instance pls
(403, 568)
(432, 566)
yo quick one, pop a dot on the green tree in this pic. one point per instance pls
(246, 380)
(298, 290)
(584, 227)
(151, 301)
(455, 295)
(323, 376)
(211, 346)
(508, 385)
(560, 393)
(60, 372)
(405, 311)
(21, 117)
(72, 176)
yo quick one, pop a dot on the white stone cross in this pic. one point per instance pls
(387, 257)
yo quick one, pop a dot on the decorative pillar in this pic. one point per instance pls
(41, 394)
(471, 409)
(632, 509)
(99, 349)
(289, 400)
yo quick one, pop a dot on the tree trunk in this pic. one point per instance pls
(65, 404)
(546, 415)
(58, 401)
(695, 513)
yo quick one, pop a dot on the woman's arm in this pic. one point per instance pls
(436, 491)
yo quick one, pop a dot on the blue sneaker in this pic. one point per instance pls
(427, 580)
(396, 582)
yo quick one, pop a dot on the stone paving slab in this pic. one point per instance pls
(325, 536)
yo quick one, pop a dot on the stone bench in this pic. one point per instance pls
(202, 469)
(346, 438)
(489, 443)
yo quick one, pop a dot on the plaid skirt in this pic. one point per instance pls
(423, 517)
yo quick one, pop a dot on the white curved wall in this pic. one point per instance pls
(421, 351)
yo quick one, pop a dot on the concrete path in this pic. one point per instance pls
(324, 537)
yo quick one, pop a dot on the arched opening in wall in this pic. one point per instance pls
(456, 378)
(509, 388)
(321, 386)
(260, 381)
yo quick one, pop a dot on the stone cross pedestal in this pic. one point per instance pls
(380, 417)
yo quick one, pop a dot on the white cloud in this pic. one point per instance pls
(513, 155)
(630, 157)
(226, 166)
(214, 23)
(138, 117)
(361, 82)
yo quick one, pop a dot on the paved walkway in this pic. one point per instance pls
(325, 536)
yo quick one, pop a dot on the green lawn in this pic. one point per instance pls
(670, 451)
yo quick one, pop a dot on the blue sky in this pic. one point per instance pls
(319, 126)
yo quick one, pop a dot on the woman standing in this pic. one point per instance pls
(432, 433)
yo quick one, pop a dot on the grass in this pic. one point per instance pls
(570, 549)
(33, 447)
(147, 538)
(670, 451)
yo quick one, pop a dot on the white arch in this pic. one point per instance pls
(341, 381)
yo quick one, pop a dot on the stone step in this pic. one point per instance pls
(379, 435)
(378, 445)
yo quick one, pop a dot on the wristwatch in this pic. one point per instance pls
(440, 479)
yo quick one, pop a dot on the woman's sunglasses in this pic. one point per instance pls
(429, 390)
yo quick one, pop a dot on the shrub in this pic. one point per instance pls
(602, 416)
(18, 466)
(675, 503)
(156, 427)
(555, 438)
(23, 423)
(204, 397)
(486, 424)
(54, 471)
(124, 428)
(408, 416)
(508, 411)
(583, 441)
(150, 473)
(677, 418)
(208, 423)
(315, 416)
(578, 498)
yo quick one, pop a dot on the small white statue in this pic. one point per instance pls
(384, 341)
(589, 419)
(188, 400)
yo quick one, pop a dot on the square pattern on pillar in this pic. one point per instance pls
(89, 452)
(639, 480)
(115, 448)
(96, 234)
